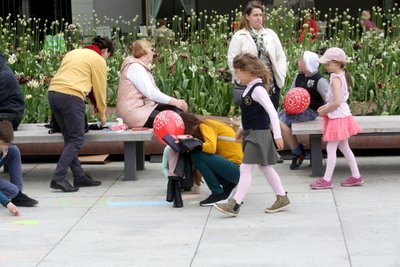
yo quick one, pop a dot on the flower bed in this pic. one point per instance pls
(193, 65)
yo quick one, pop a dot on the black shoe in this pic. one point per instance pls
(178, 202)
(212, 199)
(297, 160)
(170, 191)
(86, 181)
(279, 159)
(64, 186)
(228, 189)
(22, 200)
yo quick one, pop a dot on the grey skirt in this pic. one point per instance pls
(258, 147)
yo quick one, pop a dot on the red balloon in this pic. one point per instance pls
(168, 122)
(296, 100)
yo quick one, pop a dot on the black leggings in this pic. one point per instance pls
(158, 109)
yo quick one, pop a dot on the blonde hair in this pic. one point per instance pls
(247, 11)
(365, 15)
(250, 63)
(139, 48)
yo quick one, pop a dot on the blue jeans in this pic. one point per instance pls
(13, 161)
(306, 115)
(216, 170)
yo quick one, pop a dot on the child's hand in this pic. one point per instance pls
(279, 143)
(321, 110)
(239, 133)
(13, 209)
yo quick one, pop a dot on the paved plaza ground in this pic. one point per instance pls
(130, 224)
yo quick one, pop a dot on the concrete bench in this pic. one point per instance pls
(372, 125)
(29, 133)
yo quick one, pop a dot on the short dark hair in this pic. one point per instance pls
(6, 132)
(161, 22)
(103, 43)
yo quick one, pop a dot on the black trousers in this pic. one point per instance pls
(158, 109)
(69, 112)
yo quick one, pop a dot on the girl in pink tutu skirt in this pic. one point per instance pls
(339, 124)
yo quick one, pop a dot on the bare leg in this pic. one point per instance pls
(287, 135)
(298, 152)
(172, 161)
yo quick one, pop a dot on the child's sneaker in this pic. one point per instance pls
(281, 203)
(351, 181)
(321, 183)
(230, 208)
(297, 160)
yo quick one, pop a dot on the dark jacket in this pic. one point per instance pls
(184, 169)
(11, 98)
(311, 85)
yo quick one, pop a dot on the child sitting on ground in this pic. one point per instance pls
(10, 156)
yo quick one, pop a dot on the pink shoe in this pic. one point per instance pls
(351, 181)
(321, 183)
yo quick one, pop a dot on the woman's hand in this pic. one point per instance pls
(279, 143)
(103, 121)
(13, 209)
(179, 103)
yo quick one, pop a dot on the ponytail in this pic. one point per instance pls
(265, 77)
(104, 43)
(347, 76)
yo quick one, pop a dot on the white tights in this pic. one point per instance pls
(344, 147)
(245, 180)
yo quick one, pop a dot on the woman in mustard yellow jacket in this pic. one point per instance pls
(220, 157)
(82, 73)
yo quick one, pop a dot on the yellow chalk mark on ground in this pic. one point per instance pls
(26, 222)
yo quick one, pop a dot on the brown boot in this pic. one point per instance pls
(281, 203)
